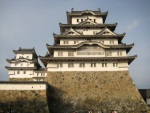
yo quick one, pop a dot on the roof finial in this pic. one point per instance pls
(72, 9)
(99, 9)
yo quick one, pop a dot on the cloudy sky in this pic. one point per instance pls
(31, 23)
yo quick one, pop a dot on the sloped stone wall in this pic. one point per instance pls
(20, 79)
(23, 101)
(84, 91)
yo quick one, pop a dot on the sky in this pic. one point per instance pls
(31, 23)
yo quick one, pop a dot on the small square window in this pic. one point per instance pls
(70, 53)
(82, 65)
(93, 64)
(24, 72)
(60, 65)
(70, 65)
(60, 53)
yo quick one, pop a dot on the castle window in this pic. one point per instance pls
(94, 20)
(111, 41)
(93, 64)
(81, 20)
(60, 65)
(94, 32)
(65, 41)
(109, 53)
(70, 53)
(24, 72)
(82, 65)
(70, 65)
(75, 42)
(115, 64)
(77, 20)
(18, 72)
(104, 64)
(119, 53)
(60, 53)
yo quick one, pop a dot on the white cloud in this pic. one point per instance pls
(132, 25)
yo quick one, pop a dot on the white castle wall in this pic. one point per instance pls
(114, 53)
(22, 64)
(98, 20)
(76, 67)
(104, 41)
(90, 31)
(28, 74)
(23, 86)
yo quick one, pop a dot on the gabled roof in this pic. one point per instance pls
(26, 51)
(106, 31)
(109, 26)
(71, 32)
(87, 22)
(57, 37)
(97, 13)
(20, 60)
(68, 47)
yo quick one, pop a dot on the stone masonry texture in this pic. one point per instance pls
(29, 101)
(95, 91)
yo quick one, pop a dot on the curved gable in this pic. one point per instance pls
(91, 43)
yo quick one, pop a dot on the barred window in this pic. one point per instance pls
(115, 64)
(60, 65)
(109, 53)
(70, 65)
(104, 64)
(70, 53)
(93, 64)
(81, 64)
(18, 72)
(65, 41)
(111, 41)
(119, 53)
(24, 72)
(60, 53)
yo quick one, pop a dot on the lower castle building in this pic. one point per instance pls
(86, 71)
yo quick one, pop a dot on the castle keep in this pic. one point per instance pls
(87, 68)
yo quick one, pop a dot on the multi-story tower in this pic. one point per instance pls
(87, 67)
(86, 43)
(25, 66)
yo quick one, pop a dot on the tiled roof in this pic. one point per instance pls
(129, 59)
(20, 68)
(110, 26)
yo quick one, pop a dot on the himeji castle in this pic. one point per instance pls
(86, 70)
(87, 43)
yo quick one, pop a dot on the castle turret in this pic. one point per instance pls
(24, 65)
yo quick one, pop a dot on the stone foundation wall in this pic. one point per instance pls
(21, 101)
(84, 91)
(20, 79)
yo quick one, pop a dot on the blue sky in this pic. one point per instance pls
(31, 23)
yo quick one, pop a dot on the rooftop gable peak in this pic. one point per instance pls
(71, 32)
(106, 31)
(87, 22)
